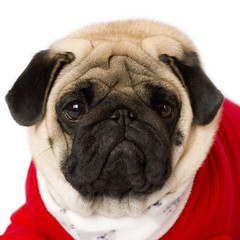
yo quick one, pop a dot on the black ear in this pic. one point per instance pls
(205, 98)
(28, 96)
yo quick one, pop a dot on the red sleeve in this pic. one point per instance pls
(32, 220)
(231, 140)
(22, 227)
(220, 237)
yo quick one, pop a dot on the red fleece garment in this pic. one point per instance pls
(212, 211)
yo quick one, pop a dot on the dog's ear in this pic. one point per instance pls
(205, 98)
(28, 96)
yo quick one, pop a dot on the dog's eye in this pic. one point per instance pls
(164, 110)
(75, 110)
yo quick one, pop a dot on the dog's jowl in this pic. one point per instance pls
(130, 139)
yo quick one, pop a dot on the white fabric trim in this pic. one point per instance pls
(151, 225)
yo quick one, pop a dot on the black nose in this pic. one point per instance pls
(123, 116)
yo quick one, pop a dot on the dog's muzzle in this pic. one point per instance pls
(117, 156)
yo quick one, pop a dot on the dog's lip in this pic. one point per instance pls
(125, 142)
(128, 161)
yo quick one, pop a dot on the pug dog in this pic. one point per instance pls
(125, 132)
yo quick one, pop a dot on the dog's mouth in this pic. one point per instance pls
(134, 160)
(123, 171)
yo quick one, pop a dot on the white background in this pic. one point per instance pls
(27, 27)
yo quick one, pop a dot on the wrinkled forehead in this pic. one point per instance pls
(114, 63)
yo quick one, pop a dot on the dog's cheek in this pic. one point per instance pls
(178, 138)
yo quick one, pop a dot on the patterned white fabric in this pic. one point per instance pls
(151, 225)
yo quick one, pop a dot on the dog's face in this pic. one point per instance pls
(116, 112)
(121, 131)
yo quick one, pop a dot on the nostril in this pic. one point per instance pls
(132, 115)
(116, 115)
(122, 116)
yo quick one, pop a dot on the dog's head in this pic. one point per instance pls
(113, 107)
